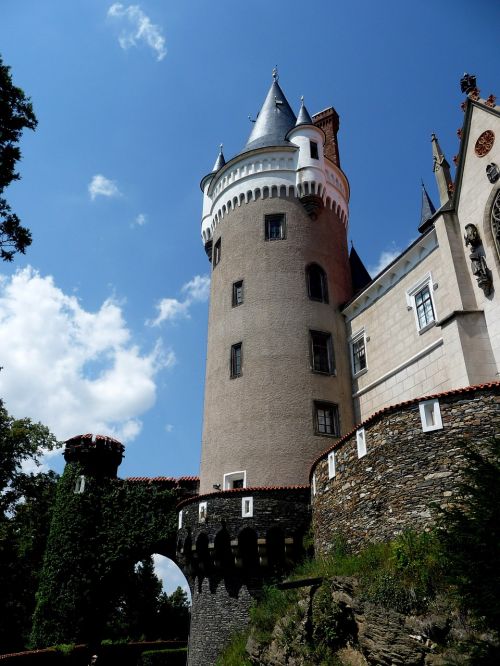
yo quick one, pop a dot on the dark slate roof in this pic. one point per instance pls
(220, 161)
(303, 118)
(359, 274)
(275, 119)
(427, 211)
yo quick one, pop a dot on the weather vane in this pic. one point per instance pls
(275, 73)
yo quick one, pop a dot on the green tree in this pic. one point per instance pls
(470, 533)
(173, 615)
(25, 509)
(16, 114)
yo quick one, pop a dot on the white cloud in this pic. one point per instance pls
(73, 370)
(100, 186)
(139, 221)
(170, 575)
(196, 290)
(169, 427)
(139, 28)
(385, 258)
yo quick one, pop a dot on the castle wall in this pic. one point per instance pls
(228, 558)
(405, 470)
(262, 422)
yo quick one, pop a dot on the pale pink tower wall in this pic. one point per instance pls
(262, 425)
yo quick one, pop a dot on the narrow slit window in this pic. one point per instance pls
(237, 293)
(361, 442)
(236, 360)
(314, 150)
(331, 465)
(217, 253)
(430, 415)
(247, 507)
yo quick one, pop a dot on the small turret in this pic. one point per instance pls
(99, 455)
(427, 210)
(441, 170)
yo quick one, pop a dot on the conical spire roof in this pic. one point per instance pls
(303, 118)
(428, 208)
(359, 274)
(220, 161)
(274, 120)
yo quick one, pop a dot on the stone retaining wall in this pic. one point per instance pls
(405, 470)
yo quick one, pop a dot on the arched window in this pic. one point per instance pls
(317, 283)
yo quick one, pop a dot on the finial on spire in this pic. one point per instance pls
(221, 146)
(302, 100)
(275, 73)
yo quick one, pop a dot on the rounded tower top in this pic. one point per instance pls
(99, 455)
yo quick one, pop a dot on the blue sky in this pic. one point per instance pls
(103, 322)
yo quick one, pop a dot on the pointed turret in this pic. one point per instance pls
(359, 274)
(274, 120)
(427, 210)
(220, 161)
(441, 170)
(303, 118)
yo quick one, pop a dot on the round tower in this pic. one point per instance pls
(278, 385)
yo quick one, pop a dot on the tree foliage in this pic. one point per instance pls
(470, 534)
(25, 509)
(16, 114)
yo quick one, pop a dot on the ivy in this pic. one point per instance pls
(95, 537)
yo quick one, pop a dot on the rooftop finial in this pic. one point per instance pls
(221, 146)
(302, 100)
(275, 73)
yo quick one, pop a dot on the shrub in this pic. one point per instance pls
(175, 657)
(235, 653)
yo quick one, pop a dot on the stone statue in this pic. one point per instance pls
(478, 262)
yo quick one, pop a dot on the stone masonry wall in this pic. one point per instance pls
(404, 471)
(228, 558)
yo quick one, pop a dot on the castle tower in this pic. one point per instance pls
(278, 388)
(277, 378)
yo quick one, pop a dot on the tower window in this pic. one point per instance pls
(317, 283)
(80, 485)
(217, 253)
(358, 353)
(237, 293)
(331, 465)
(275, 226)
(361, 442)
(236, 358)
(322, 352)
(314, 150)
(430, 415)
(247, 507)
(235, 480)
(326, 416)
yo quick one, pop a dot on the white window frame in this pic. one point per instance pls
(247, 507)
(361, 442)
(332, 471)
(430, 415)
(202, 512)
(353, 340)
(80, 485)
(314, 484)
(411, 295)
(234, 476)
(180, 519)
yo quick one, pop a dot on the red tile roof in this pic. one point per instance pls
(241, 491)
(396, 407)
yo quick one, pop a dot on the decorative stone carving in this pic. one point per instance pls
(495, 221)
(493, 172)
(484, 143)
(478, 263)
(491, 101)
(467, 83)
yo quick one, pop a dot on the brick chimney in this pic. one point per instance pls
(328, 121)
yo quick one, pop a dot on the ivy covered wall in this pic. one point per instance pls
(95, 536)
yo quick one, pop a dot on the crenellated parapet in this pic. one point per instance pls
(229, 545)
(273, 173)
